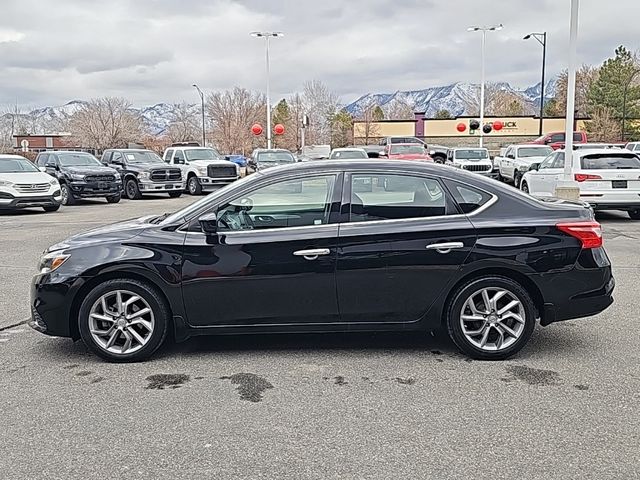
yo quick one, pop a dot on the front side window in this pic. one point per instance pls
(468, 198)
(117, 157)
(291, 203)
(167, 155)
(559, 161)
(547, 162)
(557, 137)
(41, 161)
(392, 197)
(178, 157)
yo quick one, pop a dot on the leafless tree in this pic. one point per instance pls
(296, 107)
(232, 112)
(321, 104)
(499, 102)
(185, 123)
(585, 76)
(105, 123)
(368, 120)
(398, 109)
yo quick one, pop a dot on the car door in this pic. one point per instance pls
(399, 248)
(552, 174)
(507, 162)
(536, 178)
(168, 156)
(258, 271)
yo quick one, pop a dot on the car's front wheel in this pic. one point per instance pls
(131, 190)
(193, 186)
(634, 214)
(491, 318)
(123, 320)
(524, 186)
(517, 179)
(67, 195)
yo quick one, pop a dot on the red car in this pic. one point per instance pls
(408, 151)
(556, 140)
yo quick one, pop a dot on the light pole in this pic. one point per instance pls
(542, 40)
(204, 135)
(484, 31)
(267, 36)
(624, 101)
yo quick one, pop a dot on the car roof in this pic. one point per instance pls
(64, 151)
(271, 150)
(469, 148)
(343, 149)
(188, 147)
(528, 145)
(11, 156)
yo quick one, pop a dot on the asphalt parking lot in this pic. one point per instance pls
(317, 407)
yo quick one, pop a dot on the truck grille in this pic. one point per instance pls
(215, 171)
(166, 175)
(99, 178)
(477, 168)
(32, 187)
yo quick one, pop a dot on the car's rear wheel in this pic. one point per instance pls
(123, 320)
(193, 186)
(491, 318)
(524, 187)
(175, 194)
(51, 208)
(634, 214)
(67, 195)
(131, 190)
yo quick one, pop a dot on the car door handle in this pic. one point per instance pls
(312, 254)
(445, 247)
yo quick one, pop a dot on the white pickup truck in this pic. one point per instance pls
(203, 168)
(517, 159)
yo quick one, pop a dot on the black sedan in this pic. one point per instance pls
(339, 246)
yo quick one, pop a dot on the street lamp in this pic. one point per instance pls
(624, 100)
(204, 135)
(267, 36)
(484, 30)
(542, 40)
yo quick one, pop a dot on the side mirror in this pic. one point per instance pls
(227, 157)
(547, 141)
(511, 156)
(209, 223)
(51, 165)
(43, 169)
(534, 166)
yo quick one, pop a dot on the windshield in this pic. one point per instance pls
(349, 154)
(527, 152)
(142, 157)
(202, 154)
(472, 154)
(77, 160)
(407, 149)
(16, 165)
(276, 157)
(610, 162)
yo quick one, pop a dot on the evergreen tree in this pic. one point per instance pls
(443, 115)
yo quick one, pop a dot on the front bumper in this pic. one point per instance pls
(95, 189)
(51, 299)
(215, 181)
(52, 200)
(147, 186)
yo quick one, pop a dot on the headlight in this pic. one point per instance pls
(117, 177)
(523, 168)
(202, 171)
(77, 177)
(144, 176)
(4, 183)
(52, 261)
(53, 181)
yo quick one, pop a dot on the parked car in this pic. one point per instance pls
(317, 254)
(517, 159)
(203, 168)
(143, 171)
(262, 158)
(351, 153)
(609, 179)
(22, 185)
(407, 151)
(556, 140)
(580, 146)
(471, 159)
(316, 152)
(81, 175)
(633, 146)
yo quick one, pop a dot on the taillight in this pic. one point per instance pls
(583, 177)
(589, 233)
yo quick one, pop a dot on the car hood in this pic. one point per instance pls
(97, 169)
(26, 177)
(149, 166)
(120, 231)
(479, 161)
(218, 163)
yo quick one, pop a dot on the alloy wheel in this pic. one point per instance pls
(492, 319)
(65, 196)
(121, 322)
(193, 185)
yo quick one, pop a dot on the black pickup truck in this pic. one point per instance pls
(81, 175)
(143, 172)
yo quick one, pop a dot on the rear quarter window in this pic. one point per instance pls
(468, 198)
(609, 162)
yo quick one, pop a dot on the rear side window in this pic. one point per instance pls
(468, 198)
(609, 162)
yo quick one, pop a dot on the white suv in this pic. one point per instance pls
(609, 179)
(22, 185)
(471, 159)
(202, 167)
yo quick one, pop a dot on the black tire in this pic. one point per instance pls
(175, 194)
(455, 307)
(439, 159)
(67, 196)
(158, 305)
(524, 187)
(131, 190)
(634, 214)
(193, 186)
(51, 208)
(517, 179)
(114, 198)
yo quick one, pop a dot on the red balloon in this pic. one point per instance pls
(461, 127)
(278, 129)
(497, 125)
(256, 129)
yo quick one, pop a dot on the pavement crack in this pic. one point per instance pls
(2, 329)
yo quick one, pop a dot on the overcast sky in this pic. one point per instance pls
(151, 51)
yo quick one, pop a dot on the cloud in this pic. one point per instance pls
(154, 50)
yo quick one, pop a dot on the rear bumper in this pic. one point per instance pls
(29, 202)
(612, 206)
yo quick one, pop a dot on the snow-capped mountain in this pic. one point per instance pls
(458, 98)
